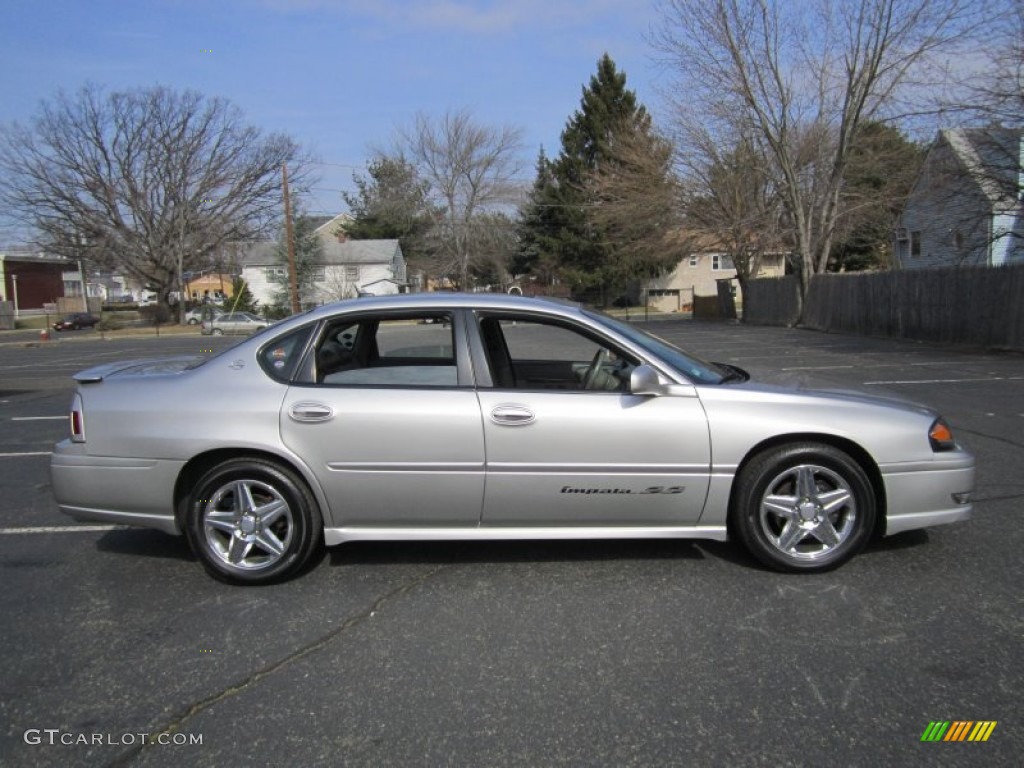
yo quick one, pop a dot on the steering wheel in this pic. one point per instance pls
(590, 377)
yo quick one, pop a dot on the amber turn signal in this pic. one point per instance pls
(941, 437)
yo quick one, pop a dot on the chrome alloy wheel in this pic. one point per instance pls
(808, 511)
(247, 525)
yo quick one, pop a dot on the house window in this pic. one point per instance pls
(721, 263)
(693, 261)
(915, 243)
(276, 274)
(318, 274)
(351, 273)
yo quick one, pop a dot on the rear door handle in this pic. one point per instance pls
(311, 412)
(512, 415)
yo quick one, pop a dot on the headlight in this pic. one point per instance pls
(941, 437)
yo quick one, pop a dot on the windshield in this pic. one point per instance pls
(693, 368)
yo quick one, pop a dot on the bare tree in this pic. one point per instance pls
(732, 203)
(336, 285)
(150, 182)
(989, 90)
(801, 79)
(471, 170)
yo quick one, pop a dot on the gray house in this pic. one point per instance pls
(965, 208)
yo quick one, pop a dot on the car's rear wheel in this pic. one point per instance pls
(217, 332)
(252, 521)
(803, 507)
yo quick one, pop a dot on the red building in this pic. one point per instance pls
(31, 279)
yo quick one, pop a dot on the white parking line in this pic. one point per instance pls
(25, 453)
(62, 529)
(816, 367)
(945, 381)
(37, 418)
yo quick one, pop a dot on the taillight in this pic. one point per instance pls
(77, 420)
(941, 437)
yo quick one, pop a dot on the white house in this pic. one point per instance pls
(965, 207)
(347, 269)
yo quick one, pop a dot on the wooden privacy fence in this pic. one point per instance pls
(772, 301)
(964, 305)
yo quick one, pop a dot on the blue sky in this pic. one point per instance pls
(337, 75)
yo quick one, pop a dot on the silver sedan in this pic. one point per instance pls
(445, 416)
(232, 323)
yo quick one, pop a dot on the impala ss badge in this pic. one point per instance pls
(648, 490)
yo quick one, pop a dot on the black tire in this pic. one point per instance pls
(252, 521)
(217, 332)
(803, 507)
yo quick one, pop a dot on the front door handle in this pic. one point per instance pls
(512, 415)
(311, 412)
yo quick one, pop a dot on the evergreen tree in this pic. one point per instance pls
(536, 230)
(881, 171)
(391, 203)
(241, 299)
(559, 219)
(308, 263)
(635, 204)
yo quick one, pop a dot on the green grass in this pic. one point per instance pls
(36, 322)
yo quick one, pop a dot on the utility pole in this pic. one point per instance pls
(293, 281)
(85, 288)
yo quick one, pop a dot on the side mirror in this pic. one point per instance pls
(644, 380)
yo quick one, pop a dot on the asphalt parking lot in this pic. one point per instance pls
(527, 654)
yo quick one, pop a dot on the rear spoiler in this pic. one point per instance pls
(145, 366)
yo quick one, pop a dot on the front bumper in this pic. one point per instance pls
(923, 494)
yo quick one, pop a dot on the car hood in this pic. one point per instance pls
(147, 367)
(830, 393)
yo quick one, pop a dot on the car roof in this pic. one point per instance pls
(431, 301)
(447, 300)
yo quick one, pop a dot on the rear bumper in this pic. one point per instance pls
(116, 490)
(926, 494)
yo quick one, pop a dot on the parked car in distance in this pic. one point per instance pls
(504, 418)
(198, 314)
(233, 323)
(76, 321)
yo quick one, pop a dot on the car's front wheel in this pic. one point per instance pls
(217, 332)
(803, 507)
(252, 521)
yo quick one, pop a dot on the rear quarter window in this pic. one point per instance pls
(281, 356)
